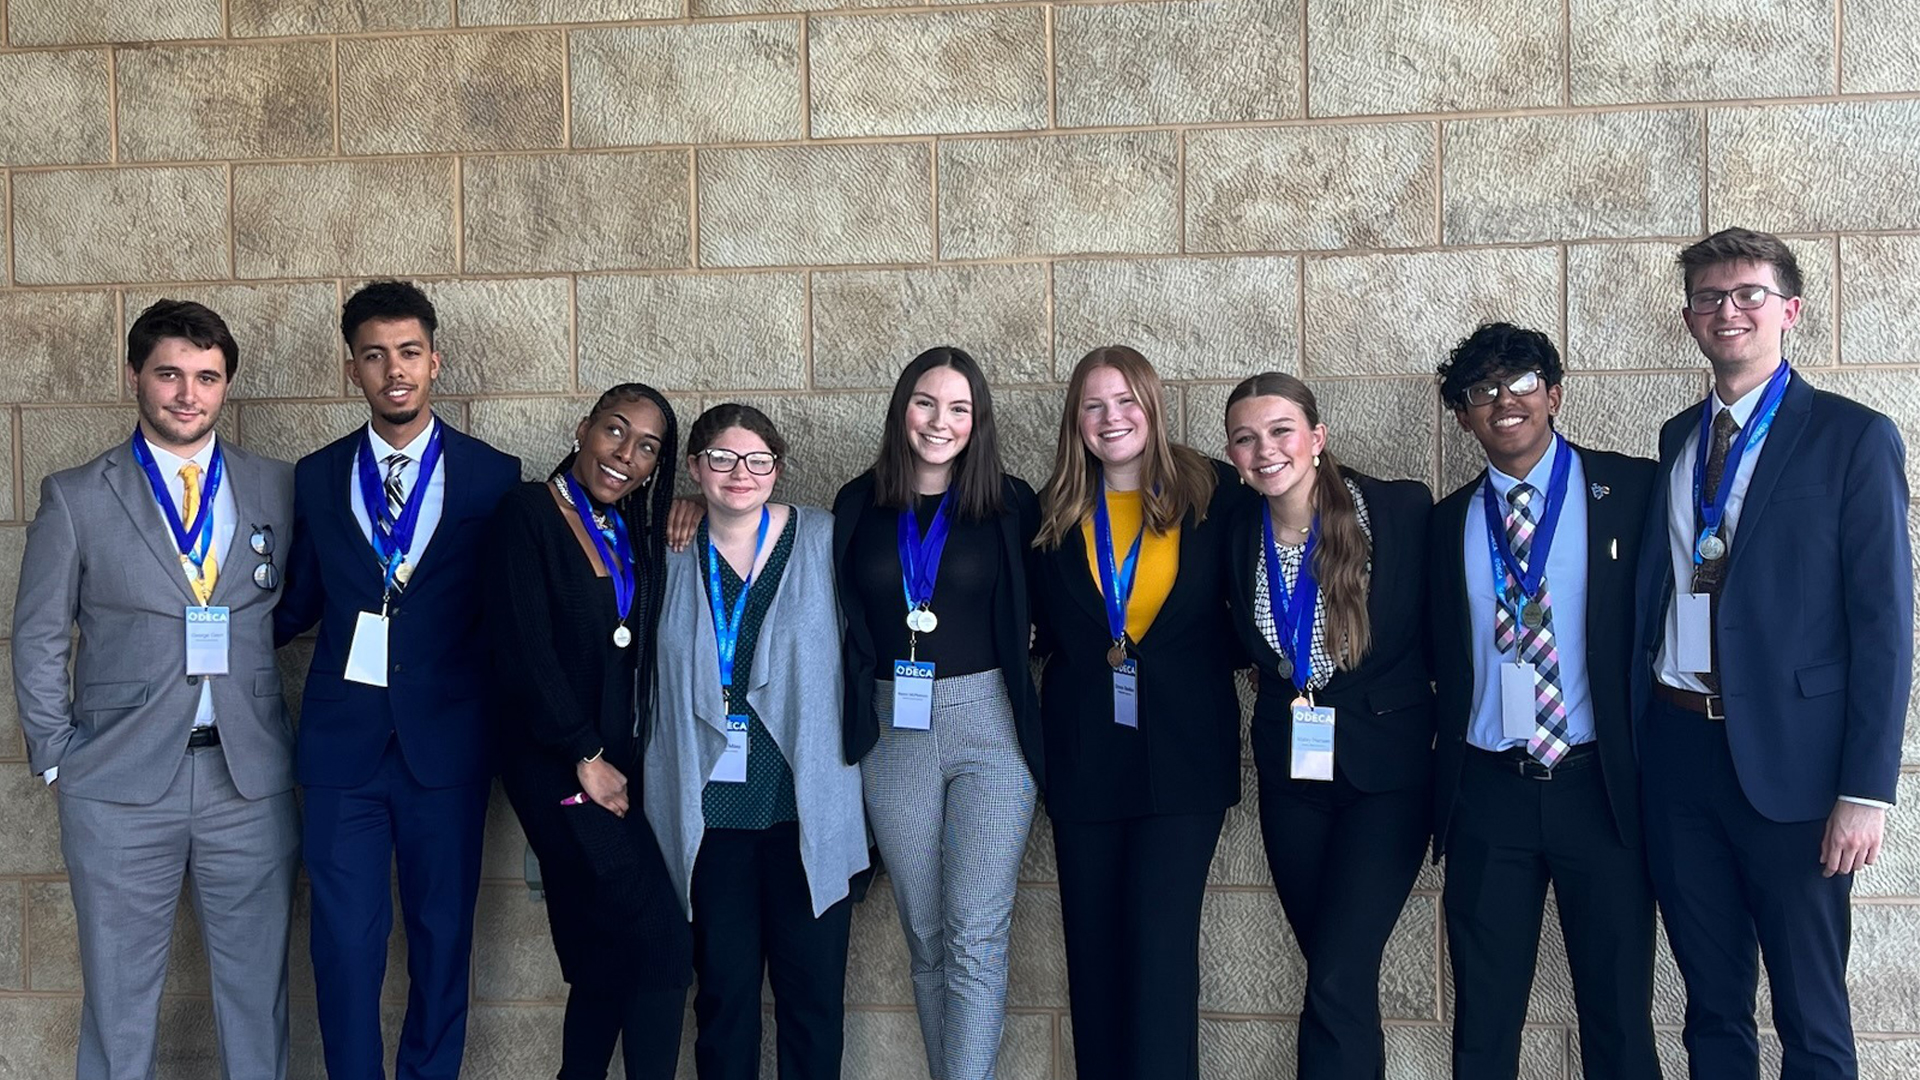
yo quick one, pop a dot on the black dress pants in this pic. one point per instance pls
(1511, 836)
(753, 915)
(1343, 861)
(1130, 894)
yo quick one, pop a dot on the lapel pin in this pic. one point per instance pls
(1613, 549)
(1600, 491)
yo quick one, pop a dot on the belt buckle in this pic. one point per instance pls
(1532, 769)
(1715, 703)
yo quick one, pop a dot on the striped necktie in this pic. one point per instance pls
(396, 491)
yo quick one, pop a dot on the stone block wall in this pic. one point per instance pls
(784, 200)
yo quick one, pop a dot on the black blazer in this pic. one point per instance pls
(1619, 489)
(1011, 622)
(1383, 731)
(1185, 756)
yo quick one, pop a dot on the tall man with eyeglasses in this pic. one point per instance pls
(1775, 662)
(168, 748)
(394, 751)
(1531, 624)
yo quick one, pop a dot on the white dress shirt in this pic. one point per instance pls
(433, 502)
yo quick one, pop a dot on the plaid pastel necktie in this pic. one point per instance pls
(1536, 644)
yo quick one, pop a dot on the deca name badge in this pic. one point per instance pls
(1695, 644)
(1518, 718)
(1126, 693)
(208, 635)
(913, 694)
(1312, 741)
(732, 766)
(367, 655)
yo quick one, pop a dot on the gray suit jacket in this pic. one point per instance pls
(796, 693)
(99, 554)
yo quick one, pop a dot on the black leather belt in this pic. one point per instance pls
(1517, 760)
(206, 735)
(1711, 706)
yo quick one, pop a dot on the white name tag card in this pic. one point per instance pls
(1518, 718)
(913, 694)
(209, 632)
(1126, 694)
(732, 766)
(367, 656)
(1695, 646)
(1312, 742)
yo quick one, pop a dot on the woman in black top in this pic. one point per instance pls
(1329, 598)
(930, 548)
(1138, 784)
(576, 572)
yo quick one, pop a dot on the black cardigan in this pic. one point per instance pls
(1019, 520)
(1184, 758)
(1383, 729)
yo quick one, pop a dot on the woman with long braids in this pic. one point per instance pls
(930, 545)
(577, 572)
(1140, 719)
(1329, 598)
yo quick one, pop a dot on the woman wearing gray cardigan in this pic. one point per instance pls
(758, 813)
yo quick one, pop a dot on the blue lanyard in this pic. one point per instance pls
(193, 540)
(726, 631)
(920, 556)
(1116, 581)
(1292, 613)
(1710, 514)
(617, 557)
(391, 542)
(1505, 563)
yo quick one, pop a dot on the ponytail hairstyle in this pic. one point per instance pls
(1341, 555)
(977, 470)
(1176, 482)
(645, 511)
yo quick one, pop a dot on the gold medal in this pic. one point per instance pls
(1533, 615)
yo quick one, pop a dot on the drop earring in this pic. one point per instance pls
(1316, 461)
(576, 445)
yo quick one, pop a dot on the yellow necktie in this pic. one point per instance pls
(201, 583)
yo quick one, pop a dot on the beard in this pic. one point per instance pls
(171, 432)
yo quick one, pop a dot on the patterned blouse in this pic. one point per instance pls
(1323, 662)
(766, 798)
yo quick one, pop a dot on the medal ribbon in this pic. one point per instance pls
(617, 557)
(1506, 566)
(393, 536)
(1116, 581)
(1710, 514)
(192, 539)
(920, 556)
(726, 631)
(1292, 612)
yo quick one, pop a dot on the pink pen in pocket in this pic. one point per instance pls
(578, 798)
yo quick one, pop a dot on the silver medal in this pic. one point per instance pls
(622, 637)
(1533, 615)
(402, 572)
(1286, 667)
(1712, 547)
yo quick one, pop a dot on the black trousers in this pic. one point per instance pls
(1734, 887)
(645, 1022)
(1130, 894)
(1343, 861)
(1511, 836)
(753, 915)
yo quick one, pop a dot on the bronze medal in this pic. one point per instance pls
(1116, 656)
(1533, 615)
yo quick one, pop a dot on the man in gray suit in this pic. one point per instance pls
(170, 751)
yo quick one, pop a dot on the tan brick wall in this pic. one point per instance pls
(783, 200)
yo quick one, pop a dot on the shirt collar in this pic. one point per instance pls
(1539, 476)
(414, 450)
(1744, 406)
(170, 463)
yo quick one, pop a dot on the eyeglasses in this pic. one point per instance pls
(1746, 298)
(759, 463)
(266, 575)
(1488, 392)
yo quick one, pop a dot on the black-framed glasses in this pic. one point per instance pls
(266, 575)
(1745, 297)
(759, 462)
(1488, 392)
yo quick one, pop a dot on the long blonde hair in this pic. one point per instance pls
(1175, 481)
(1340, 557)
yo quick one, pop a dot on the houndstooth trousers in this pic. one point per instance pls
(950, 808)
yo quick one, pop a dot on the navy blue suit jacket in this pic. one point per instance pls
(1815, 617)
(436, 658)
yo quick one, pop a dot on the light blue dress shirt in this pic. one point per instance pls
(434, 500)
(1566, 587)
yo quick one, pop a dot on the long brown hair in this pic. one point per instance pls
(976, 479)
(1175, 481)
(1341, 555)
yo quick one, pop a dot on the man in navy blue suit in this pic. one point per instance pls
(1778, 655)
(392, 749)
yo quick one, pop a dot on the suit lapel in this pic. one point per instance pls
(452, 453)
(1783, 439)
(1079, 583)
(129, 484)
(1604, 525)
(247, 510)
(1247, 562)
(1452, 587)
(343, 480)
